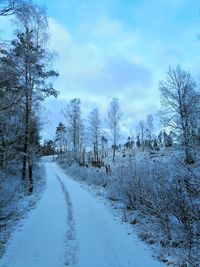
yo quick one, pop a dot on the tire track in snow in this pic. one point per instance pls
(70, 239)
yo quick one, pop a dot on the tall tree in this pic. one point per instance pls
(34, 72)
(180, 102)
(114, 115)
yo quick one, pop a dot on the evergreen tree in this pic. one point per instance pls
(60, 140)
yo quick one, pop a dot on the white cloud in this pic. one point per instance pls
(107, 28)
(97, 72)
(6, 28)
(60, 37)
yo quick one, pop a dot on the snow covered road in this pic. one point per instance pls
(70, 227)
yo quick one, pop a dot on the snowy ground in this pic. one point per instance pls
(15, 203)
(71, 227)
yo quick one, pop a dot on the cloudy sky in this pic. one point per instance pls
(119, 48)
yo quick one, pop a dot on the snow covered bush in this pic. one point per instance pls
(92, 175)
(165, 195)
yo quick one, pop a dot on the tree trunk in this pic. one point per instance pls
(83, 157)
(188, 157)
(30, 171)
(114, 149)
(114, 146)
(26, 139)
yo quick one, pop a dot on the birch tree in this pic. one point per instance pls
(114, 116)
(95, 131)
(180, 103)
(75, 126)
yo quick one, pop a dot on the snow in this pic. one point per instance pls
(15, 203)
(71, 227)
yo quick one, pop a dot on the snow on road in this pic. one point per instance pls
(70, 227)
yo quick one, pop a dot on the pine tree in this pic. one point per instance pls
(60, 140)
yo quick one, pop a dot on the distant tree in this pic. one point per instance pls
(114, 122)
(160, 138)
(61, 140)
(48, 148)
(128, 143)
(180, 102)
(104, 143)
(150, 127)
(138, 143)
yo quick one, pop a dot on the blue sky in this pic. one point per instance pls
(120, 48)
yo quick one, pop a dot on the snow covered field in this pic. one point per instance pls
(71, 227)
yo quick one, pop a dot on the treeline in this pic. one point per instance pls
(77, 134)
(25, 75)
(179, 117)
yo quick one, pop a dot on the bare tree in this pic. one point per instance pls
(95, 131)
(180, 101)
(114, 119)
(30, 16)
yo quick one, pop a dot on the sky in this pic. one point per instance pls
(121, 49)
